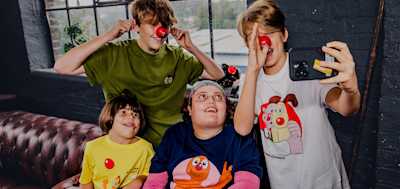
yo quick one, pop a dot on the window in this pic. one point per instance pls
(94, 17)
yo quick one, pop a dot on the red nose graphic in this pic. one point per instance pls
(280, 121)
(232, 70)
(198, 167)
(109, 163)
(264, 40)
(161, 32)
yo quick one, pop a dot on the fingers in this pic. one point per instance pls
(330, 80)
(340, 78)
(339, 45)
(225, 164)
(252, 38)
(333, 65)
(124, 26)
(178, 33)
(339, 50)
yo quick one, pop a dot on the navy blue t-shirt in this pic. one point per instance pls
(192, 163)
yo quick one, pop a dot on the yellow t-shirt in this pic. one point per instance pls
(106, 163)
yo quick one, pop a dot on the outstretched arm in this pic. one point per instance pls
(72, 62)
(346, 98)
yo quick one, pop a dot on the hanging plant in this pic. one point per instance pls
(75, 33)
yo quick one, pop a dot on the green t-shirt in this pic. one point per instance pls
(158, 81)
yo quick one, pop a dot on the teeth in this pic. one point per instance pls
(270, 51)
(211, 110)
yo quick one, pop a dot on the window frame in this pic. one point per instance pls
(112, 3)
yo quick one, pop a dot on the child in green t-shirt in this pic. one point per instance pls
(118, 159)
(157, 73)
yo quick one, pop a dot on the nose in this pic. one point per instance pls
(280, 121)
(161, 31)
(211, 99)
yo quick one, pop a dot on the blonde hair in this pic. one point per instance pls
(157, 10)
(265, 12)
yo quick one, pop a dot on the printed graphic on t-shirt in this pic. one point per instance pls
(116, 182)
(200, 172)
(281, 126)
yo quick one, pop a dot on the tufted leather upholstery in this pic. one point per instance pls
(38, 151)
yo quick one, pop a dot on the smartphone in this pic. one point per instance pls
(304, 64)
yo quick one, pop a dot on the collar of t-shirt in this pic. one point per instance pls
(282, 74)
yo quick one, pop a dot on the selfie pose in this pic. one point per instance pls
(299, 143)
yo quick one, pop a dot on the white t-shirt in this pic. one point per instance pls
(299, 143)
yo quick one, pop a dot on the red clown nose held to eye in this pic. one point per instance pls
(264, 40)
(161, 32)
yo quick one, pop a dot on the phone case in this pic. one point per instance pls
(304, 64)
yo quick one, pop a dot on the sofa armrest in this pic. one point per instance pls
(69, 183)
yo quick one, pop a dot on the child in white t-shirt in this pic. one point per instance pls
(298, 141)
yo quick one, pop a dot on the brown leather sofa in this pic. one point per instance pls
(38, 151)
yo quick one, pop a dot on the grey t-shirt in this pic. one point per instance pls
(299, 143)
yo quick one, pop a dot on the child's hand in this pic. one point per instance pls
(345, 66)
(182, 37)
(120, 28)
(257, 53)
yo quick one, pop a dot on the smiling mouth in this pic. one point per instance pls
(211, 109)
(129, 125)
(270, 51)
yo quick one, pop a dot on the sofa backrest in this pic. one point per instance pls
(42, 149)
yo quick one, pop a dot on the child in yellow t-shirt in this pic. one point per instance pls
(119, 159)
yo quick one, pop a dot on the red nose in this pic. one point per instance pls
(280, 121)
(232, 70)
(161, 32)
(198, 167)
(264, 40)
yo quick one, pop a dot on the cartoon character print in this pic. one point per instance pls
(280, 123)
(116, 182)
(199, 172)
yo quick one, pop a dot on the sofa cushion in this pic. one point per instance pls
(42, 149)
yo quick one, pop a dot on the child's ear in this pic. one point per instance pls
(189, 108)
(285, 35)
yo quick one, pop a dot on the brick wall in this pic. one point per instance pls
(310, 23)
(388, 142)
(57, 21)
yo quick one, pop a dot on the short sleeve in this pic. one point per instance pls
(87, 166)
(148, 157)
(249, 157)
(97, 64)
(191, 65)
(322, 90)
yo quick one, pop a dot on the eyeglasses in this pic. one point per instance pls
(202, 97)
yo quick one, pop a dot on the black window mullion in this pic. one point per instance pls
(210, 25)
(68, 18)
(95, 17)
(127, 17)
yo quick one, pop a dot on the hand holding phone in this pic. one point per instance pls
(304, 64)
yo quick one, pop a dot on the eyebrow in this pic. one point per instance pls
(203, 92)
